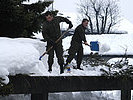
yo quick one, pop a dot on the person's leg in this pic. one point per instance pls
(59, 55)
(50, 57)
(72, 52)
(79, 57)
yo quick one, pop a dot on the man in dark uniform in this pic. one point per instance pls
(51, 32)
(76, 44)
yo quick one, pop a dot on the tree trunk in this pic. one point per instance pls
(109, 28)
(97, 23)
(91, 25)
(105, 20)
(102, 31)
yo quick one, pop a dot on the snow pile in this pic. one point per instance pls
(103, 48)
(4, 75)
(18, 57)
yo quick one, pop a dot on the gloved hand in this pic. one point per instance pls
(70, 25)
(86, 43)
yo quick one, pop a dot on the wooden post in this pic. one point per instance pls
(43, 96)
(126, 94)
(126, 89)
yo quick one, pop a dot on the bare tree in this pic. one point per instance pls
(103, 14)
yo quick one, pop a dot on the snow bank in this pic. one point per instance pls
(18, 56)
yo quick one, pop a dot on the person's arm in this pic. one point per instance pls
(63, 19)
(81, 33)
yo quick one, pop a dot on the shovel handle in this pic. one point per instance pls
(87, 44)
(55, 42)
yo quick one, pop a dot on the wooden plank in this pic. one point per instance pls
(41, 84)
(27, 84)
(85, 83)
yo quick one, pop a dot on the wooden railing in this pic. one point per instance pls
(40, 86)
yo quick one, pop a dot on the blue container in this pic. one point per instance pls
(94, 45)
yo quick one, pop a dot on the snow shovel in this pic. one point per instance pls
(55, 43)
(94, 45)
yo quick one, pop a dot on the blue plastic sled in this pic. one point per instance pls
(94, 45)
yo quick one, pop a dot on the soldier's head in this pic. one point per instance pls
(49, 16)
(85, 22)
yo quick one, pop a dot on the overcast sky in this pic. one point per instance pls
(126, 7)
(63, 6)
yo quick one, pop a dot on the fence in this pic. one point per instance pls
(40, 86)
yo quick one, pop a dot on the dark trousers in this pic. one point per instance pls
(58, 48)
(75, 48)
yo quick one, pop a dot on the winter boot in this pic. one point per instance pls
(50, 69)
(67, 66)
(78, 67)
(61, 69)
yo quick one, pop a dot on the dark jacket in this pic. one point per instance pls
(51, 30)
(79, 34)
